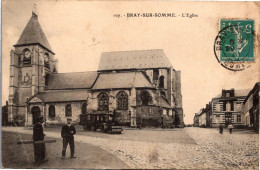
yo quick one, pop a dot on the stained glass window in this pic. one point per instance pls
(103, 102)
(145, 97)
(122, 101)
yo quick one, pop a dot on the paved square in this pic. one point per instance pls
(187, 148)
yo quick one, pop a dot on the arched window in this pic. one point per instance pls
(51, 111)
(103, 101)
(68, 111)
(27, 55)
(122, 101)
(46, 79)
(145, 97)
(46, 60)
(84, 108)
(155, 74)
(161, 84)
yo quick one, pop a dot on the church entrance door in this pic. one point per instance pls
(36, 113)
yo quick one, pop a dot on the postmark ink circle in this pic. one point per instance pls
(234, 47)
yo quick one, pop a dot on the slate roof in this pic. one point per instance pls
(140, 59)
(121, 80)
(164, 103)
(33, 34)
(238, 93)
(77, 80)
(62, 96)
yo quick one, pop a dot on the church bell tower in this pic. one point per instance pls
(31, 61)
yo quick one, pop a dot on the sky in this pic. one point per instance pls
(79, 31)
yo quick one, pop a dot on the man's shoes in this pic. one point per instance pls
(73, 157)
(63, 157)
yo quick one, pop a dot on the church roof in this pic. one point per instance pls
(79, 80)
(139, 59)
(121, 80)
(33, 34)
(164, 103)
(60, 96)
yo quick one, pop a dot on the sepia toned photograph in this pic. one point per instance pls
(130, 84)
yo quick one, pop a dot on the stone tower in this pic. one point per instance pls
(31, 62)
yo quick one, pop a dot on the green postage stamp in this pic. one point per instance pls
(234, 44)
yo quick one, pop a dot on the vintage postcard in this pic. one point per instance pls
(130, 84)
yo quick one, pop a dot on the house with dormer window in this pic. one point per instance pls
(227, 107)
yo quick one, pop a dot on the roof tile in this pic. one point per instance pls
(33, 34)
(121, 80)
(78, 80)
(139, 59)
(62, 96)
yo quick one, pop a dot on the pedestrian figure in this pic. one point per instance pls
(220, 128)
(230, 127)
(67, 133)
(39, 148)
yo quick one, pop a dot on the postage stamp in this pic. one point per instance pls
(234, 44)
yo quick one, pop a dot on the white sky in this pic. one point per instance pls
(79, 31)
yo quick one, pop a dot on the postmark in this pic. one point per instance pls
(234, 44)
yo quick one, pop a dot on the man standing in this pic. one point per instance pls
(230, 127)
(39, 148)
(220, 128)
(67, 133)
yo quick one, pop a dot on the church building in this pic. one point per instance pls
(141, 86)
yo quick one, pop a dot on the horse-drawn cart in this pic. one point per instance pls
(107, 123)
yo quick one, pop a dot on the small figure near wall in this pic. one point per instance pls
(220, 128)
(230, 127)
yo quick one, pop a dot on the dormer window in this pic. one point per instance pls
(46, 61)
(227, 94)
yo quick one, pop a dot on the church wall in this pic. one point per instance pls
(23, 95)
(149, 112)
(29, 116)
(178, 97)
(169, 86)
(149, 73)
(60, 117)
(178, 89)
(12, 112)
(124, 114)
(154, 97)
(162, 72)
(148, 116)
